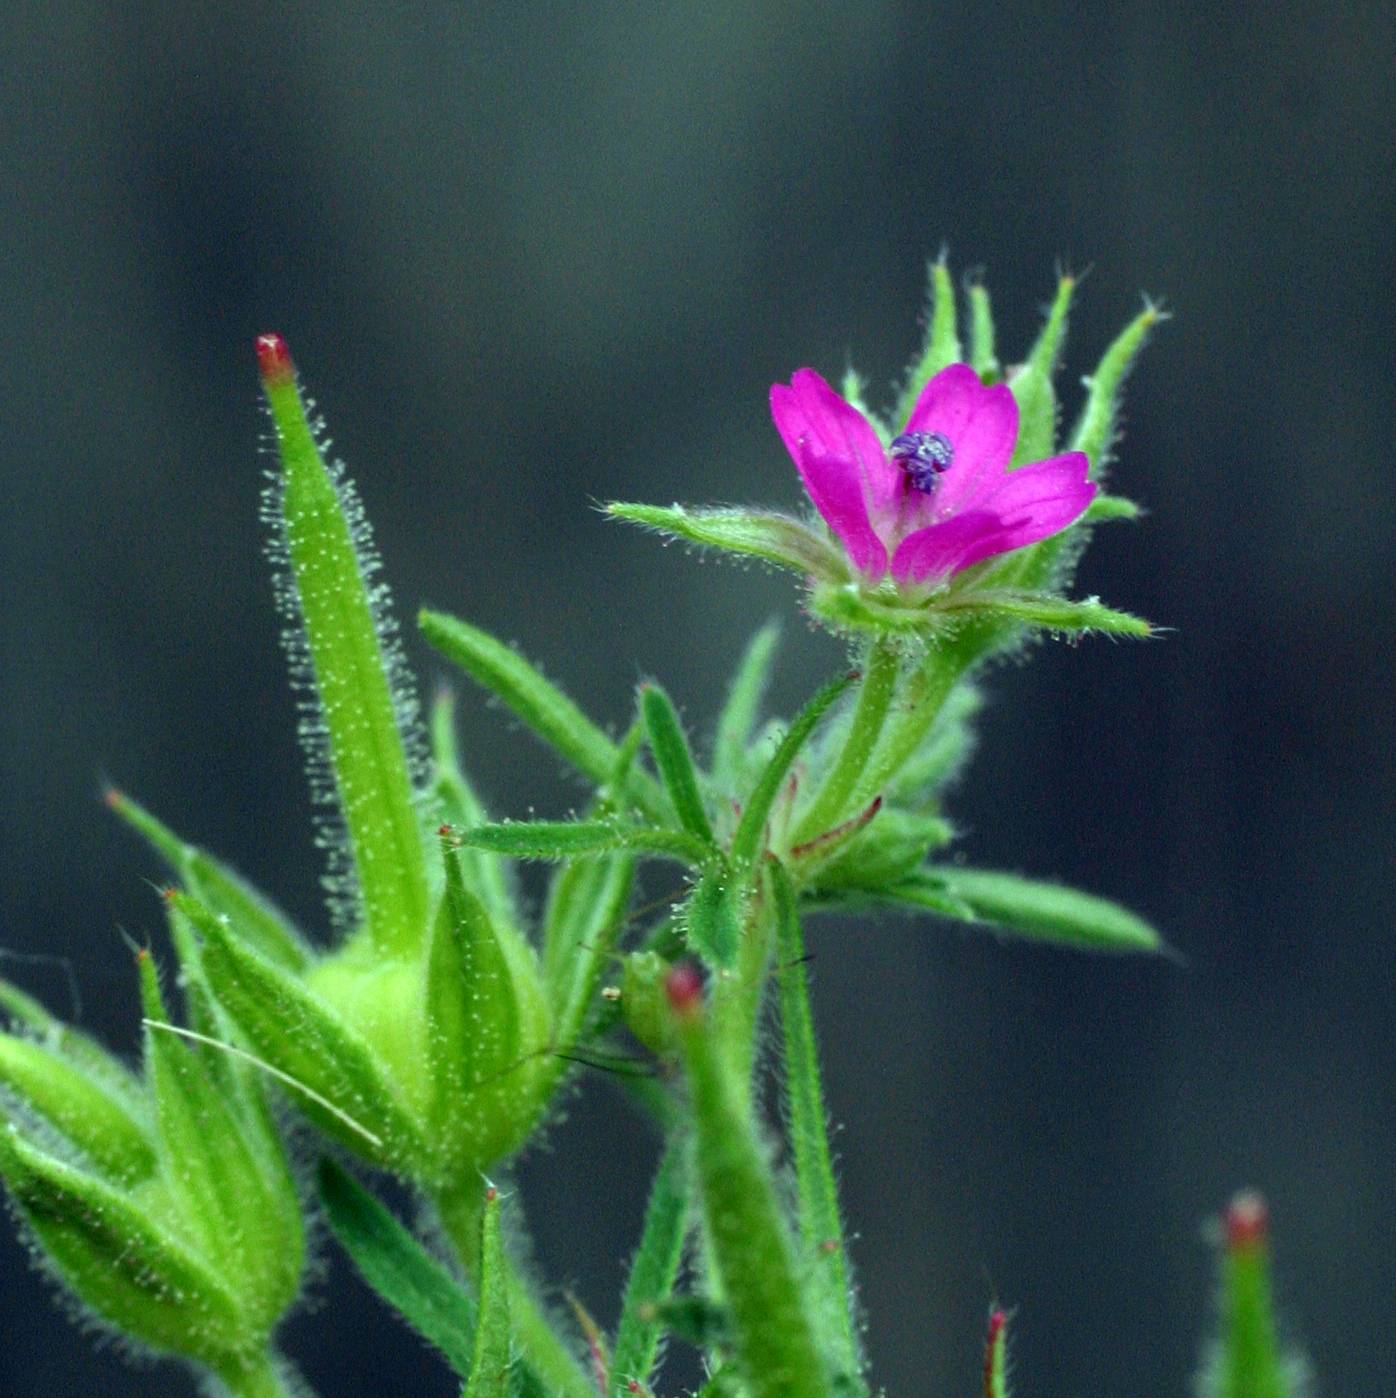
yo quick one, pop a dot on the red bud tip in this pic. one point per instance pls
(274, 360)
(684, 987)
(112, 797)
(445, 831)
(1247, 1222)
(491, 1194)
(993, 1346)
(169, 894)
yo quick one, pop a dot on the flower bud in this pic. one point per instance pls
(164, 1204)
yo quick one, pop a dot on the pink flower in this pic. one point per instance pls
(941, 497)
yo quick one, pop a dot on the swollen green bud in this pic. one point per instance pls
(166, 1207)
(644, 1002)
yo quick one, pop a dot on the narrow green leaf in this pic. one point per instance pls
(398, 1267)
(333, 1076)
(773, 1333)
(821, 1223)
(489, 1369)
(213, 883)
(982, 355)
(486, 875)
(571, 839)
(72, 1045)
(653, 1272)
(1049, 612)
(942, 345)
(1032, 384)
(772, 537)
(1043, 911)
(1096, 429)
(742, 708)
(674, 759)
(538, 703)
(348, 640)
(748, 841)
(714, 919)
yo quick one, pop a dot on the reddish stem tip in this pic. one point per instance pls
(684, 987)
(112, 797)
(274, 359)
(1247, 1222)
(491, 1194)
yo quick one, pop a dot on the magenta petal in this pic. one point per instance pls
(838, 496)
(814, 415)
(1030, 505)
(980, 423)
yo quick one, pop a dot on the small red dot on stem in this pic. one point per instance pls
(1247, 1221)
(684, 987)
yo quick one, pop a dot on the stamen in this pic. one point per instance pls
(924, 456)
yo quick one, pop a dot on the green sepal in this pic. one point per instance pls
(333, 599)
(889, 848)
(489, 1366)
(772, 1331)
(72, 1045)
(572, 839)
(653, 1272)
(224, 892)
(539, 703)
(488, 1028)
(1032, 384)
(331, 1073)
(418, 1287)
(246, 1219)
(1105, 508)
(1097, 426)
(713, 918)
(749, 839)
(764, 534)
(486, 875)
(81, 1106)
(1046, 912)
(942, 347)
(1044, 610)
(983, 357)
(821, 1224)
(742, 708)
(134, 1270)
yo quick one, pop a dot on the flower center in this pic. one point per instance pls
(923, 456)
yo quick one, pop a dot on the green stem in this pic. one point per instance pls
(548, 1355)
(260, 1376)
(923, 697)
(831, 805)
(737, 997)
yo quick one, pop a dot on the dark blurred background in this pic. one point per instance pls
(533, 256)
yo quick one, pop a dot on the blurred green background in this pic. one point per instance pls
(533, 256)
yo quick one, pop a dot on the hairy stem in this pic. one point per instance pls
(881, 667)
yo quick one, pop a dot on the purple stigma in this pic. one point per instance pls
(924, 456)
